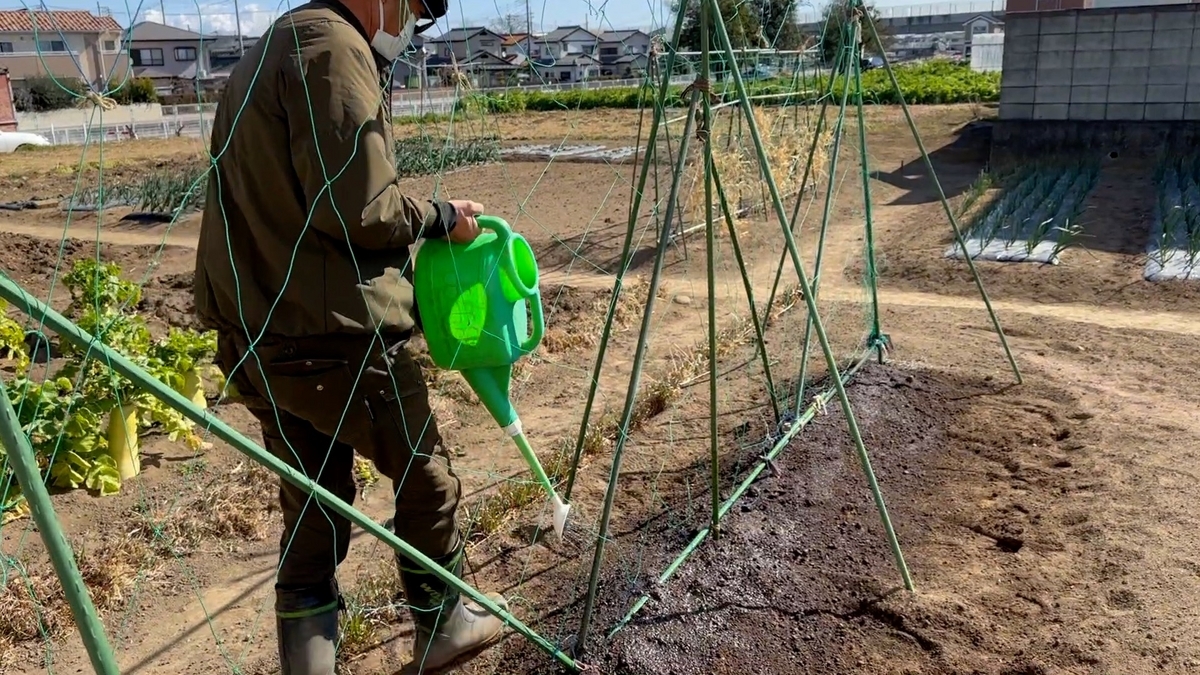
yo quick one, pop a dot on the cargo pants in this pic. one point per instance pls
(319, 399)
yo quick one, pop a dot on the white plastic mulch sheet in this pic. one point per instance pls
(574, 152)
(1005, 251)
(1173, 251)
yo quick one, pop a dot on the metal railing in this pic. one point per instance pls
(193, 120)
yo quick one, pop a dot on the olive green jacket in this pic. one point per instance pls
(305, 231)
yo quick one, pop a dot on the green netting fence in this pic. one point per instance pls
(689, 343)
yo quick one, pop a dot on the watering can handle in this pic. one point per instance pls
(533, 296)
(504, 234)
(537, 323)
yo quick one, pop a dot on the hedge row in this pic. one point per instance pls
(934, 82)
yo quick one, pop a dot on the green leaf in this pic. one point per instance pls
(104, 477)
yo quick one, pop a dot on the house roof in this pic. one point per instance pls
(149, 31)
(990, 19)
(463, 34)
(621, 35)
(488, 60)
(564, 32)
(72, 21)
(513, 39)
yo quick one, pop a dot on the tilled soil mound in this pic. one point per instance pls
(802, 565)
(802, 580)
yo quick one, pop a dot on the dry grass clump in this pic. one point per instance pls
(234, 507)
(374, 602)
(33, 604)
(787, 136)
(576, 323)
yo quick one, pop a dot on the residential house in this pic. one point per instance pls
(978, 25)
(515, 44)
(487, 70)
(564, 41)
(624, 53)
(173, 58)
(224, 51)
(475, 52)
(461, 44)
(567, 54)
(577, 67)
(8, 111)
(64, 44)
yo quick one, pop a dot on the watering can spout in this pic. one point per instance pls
(491, 386)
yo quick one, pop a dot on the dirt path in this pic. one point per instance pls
(834, 287)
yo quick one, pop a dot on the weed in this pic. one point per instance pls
(374, 602)
(365, 474)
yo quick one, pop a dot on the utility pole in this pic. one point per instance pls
(162, 8)
(237, 21)
(528, 40)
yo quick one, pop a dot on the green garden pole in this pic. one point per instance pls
(635, 376)
(876, 339)
(818, 324)
(710, 246)
(72, 333)
(627, 250)
(24, 463)
(937, 184)
(843, 58)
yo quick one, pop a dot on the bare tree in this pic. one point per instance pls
(508, 24)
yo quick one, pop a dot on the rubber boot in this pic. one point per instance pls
(450, 629)
(306, 621)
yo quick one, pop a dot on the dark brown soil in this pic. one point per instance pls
(802, 580)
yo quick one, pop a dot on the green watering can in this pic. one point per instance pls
(481, 311)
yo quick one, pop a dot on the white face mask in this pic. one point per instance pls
(389, 46)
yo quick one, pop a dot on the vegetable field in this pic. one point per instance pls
(1029, 514)
(83, 419)
(1036, 216)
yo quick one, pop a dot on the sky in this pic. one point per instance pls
(218, 16)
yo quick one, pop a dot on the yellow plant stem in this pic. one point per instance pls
(123, 440)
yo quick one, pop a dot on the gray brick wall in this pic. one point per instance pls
(1128, 64)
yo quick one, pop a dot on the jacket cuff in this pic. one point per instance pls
(440, 220)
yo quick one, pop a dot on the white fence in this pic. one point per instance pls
(193, 121)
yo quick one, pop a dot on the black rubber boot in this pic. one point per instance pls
(449, 629)
(306, 621)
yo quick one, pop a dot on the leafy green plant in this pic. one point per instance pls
(12, 342)
(83, 421)
(173, 191)
(1042, 204)
(135, 90)
(932, 82)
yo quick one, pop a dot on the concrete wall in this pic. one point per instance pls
(75, 117)
(1129, 65)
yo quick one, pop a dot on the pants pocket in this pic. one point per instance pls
(320, 391)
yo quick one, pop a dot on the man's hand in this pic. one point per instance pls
(465, 228)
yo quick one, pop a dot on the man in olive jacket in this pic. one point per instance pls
(304, 268)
